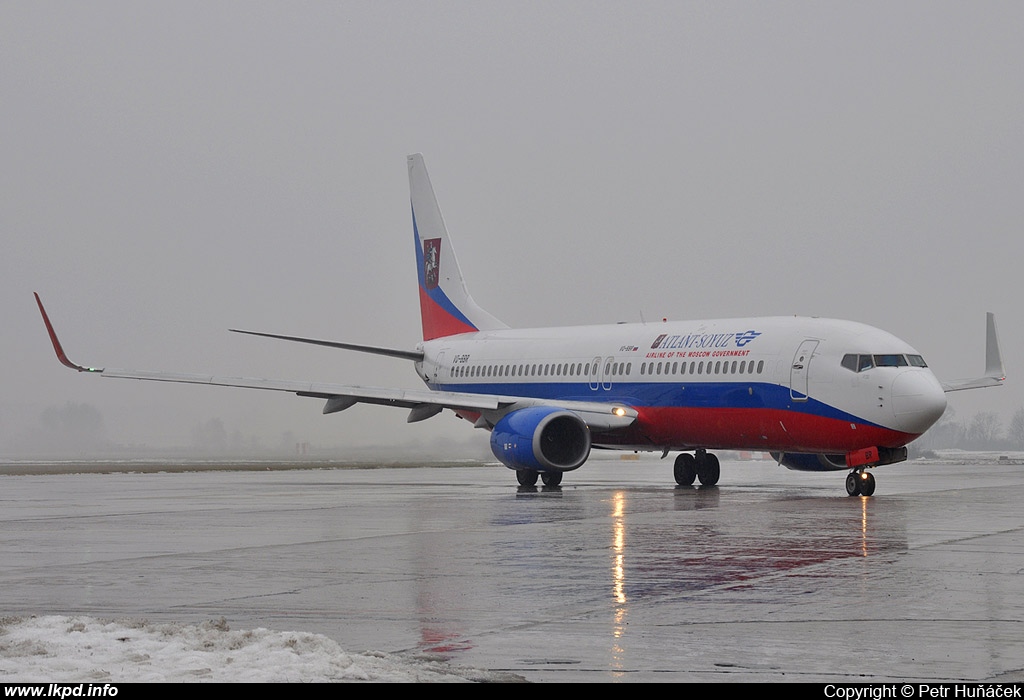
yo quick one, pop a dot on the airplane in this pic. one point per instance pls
(817, 394)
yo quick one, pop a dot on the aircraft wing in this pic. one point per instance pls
(599, 417)
(994, 374)
(422, 403)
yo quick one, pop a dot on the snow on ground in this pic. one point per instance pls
(87, 650)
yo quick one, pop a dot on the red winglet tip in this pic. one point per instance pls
(56, 343)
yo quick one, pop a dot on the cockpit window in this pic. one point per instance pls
(862, 363)
(890, 361)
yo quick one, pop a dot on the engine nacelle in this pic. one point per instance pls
(809, 462)
(542, 438)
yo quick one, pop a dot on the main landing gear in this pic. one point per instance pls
(528, 477)
(860, 483)
(703, 465)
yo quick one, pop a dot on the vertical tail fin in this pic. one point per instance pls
(446, 308)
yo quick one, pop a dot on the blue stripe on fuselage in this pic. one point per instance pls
(710, 395)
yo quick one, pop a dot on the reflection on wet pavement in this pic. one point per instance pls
(618, 574)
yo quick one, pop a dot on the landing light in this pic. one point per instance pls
(619, 411)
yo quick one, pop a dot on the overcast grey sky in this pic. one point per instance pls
(169, 170)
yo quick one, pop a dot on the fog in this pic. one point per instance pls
(171, 170)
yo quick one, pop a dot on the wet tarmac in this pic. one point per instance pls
(616, 575)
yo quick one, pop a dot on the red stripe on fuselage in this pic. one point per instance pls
(753, 429)
(438, 323)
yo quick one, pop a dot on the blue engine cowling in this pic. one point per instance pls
(542, 438)
(809, 462)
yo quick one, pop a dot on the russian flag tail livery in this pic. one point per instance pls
(445, 305)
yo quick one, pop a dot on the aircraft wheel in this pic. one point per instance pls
(550, 478)
(685, 470)
(526, 477)
(867, 484)
(709, 471)
(853, 484)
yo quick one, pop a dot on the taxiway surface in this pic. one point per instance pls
(616, 575)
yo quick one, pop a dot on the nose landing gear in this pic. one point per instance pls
(860, 483)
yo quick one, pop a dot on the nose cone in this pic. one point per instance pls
(917, 400)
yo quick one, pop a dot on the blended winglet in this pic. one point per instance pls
(57, 348)
(994, 373)
(993, 358)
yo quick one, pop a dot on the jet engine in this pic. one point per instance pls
(541, 438)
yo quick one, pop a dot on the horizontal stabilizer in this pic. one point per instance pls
(414, 355)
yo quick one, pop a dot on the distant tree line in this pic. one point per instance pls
(74, 428)
(985, 431)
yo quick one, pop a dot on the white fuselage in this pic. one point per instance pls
(748, 383)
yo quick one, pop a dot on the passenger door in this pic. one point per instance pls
(799, 370)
